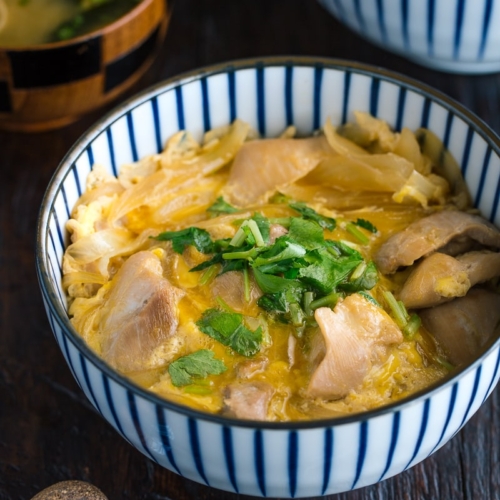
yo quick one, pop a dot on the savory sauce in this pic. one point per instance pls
(243, 276)
(35, 22)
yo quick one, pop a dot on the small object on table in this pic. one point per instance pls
(71, 490)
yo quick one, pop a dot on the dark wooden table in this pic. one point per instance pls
(48, 430)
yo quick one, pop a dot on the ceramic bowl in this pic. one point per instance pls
(458, 36)
(47, 86)
(270, 459)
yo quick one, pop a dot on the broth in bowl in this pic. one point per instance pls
(284, 279)
(35, 22)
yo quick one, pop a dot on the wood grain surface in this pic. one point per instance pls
(48, 430)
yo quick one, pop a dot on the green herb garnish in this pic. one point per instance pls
(309, 213)
(221, 207)
(199, 238)
(197, 365)
(228, 329)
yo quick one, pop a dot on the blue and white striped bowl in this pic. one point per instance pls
(459, 36)
(254, 458)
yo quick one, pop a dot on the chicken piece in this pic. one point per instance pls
(139, 314)
(427, 235)
(262, 167)
(275, 231)
(356, 334)
(440, 278)
(250, 367)
(230, 287)
(248, 400)
(463, 326)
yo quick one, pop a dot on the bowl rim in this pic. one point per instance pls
(459, 110)
(107, 28)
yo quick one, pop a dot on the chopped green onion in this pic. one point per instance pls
(352, 229)
(358, 272)
(247, 254)
(239, 238)
(412, 326)
(444, 363)
(398, 311)
(208, 275)
(308, 299)
(328, 300)
(246, 284)
(259, 241)
(223, 304)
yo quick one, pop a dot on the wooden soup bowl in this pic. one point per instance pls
(47, 86)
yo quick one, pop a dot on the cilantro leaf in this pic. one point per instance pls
(263, 224)
(199, 364)
(309, 213)
(199, 238)
(365, 224)
(228, 329)
(324, 272)
(366, 281)
(269, 283)
(306, 233)
(286, 250)
(221, 207)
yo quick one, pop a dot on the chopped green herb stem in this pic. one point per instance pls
(208, 275)
(246, 284)
(308, 299)
(358, 272)
(411, 328)
(352, 229)
(399, 313)
(223, 304)
(326, 301)
(259, 241)
(239, 238)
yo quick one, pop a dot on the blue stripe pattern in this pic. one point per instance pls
(111, 148)
(374, 96)
(227, 440)
(488, 7)
(363, 438)
(456, 36)
(261, 103)
(205, 104)
(482, 178)
(167, 444)
(477, 379)
(157, 127)
(430, 27)
(421, 434)
(318, 80)
(137, 425)
(165, 438)
(194, 441)
(394, 442)
(327, 459)
(293, 461)
(347, 88)
(85, 372)
(232, 95)
(181, 124)
(289, 95)
(260, 462)
(458, 27)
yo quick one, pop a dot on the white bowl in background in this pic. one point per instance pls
(458, 36)
(270, 459)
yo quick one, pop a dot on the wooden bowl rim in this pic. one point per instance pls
(115, 25)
